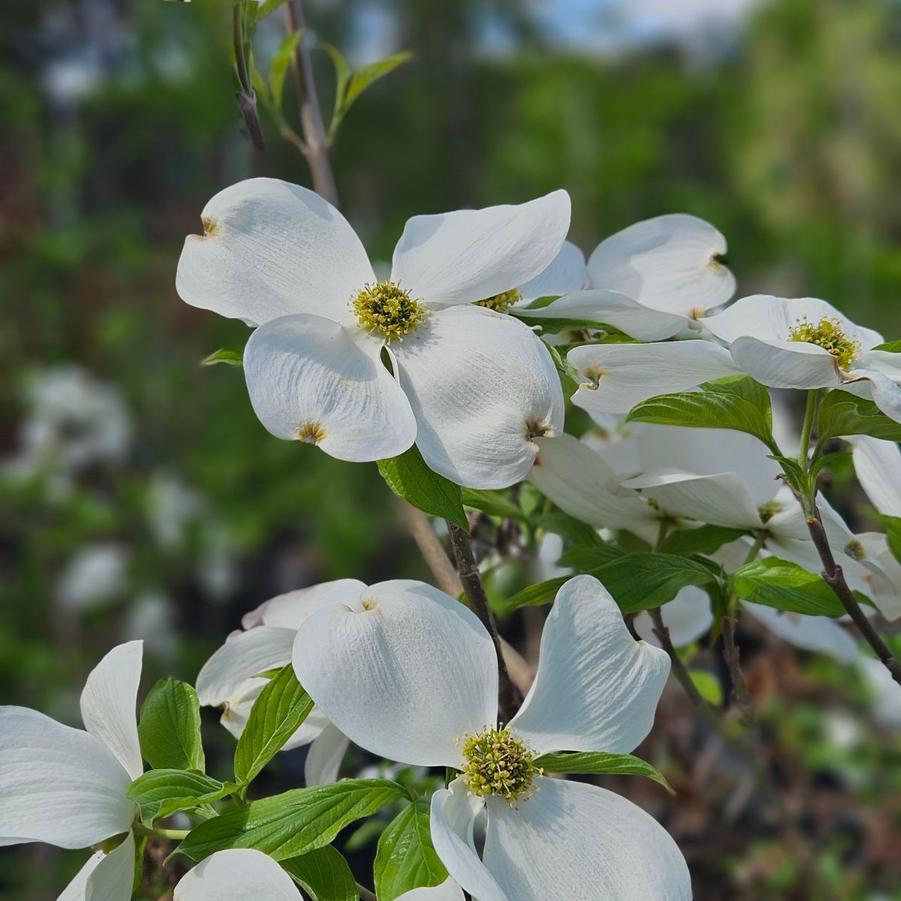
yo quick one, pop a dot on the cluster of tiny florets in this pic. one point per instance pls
(387, 310)
(768, 510)
(498, 765)
(502, 302)
(828, 334)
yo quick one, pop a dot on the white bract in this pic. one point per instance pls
(652, 280)
(807, 343)
(411, 675)
(66, 786)
(472, 387)
(232, 678)
(241, 873)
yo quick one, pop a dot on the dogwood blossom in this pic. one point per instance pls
(807, 343)
(241, 873)
(231, 679)
(652, 280)
(67, 787)
(470, 386)
(411, 675)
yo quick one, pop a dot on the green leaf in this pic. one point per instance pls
(279, 67)
(703, 540)
(893, 534)
(785, 586)
(537, 594)
(642, 581)
(159, 793)
(409, 477)
(737, 403)
(350, 85)
(570, 528)
(169, 728)
(708, 686)
(293, 823)
(275, 716)
(794, 473)
(495, 503)
(842, 413)
(595, 763)
(588, 558)
(406, 858)
(266, 7)
(324, 875)
(224, 355)
(370, 74)
(893, 347)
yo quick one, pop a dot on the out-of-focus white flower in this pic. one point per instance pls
(171, 508)
(470, 386)
(885, 693)
(217, 570)
(652, 280)
(66, 787)
(150, 617)
(596, 689)
(241, 873)
(73, 421)
(95, 576)
(807, 343)
(232, 678)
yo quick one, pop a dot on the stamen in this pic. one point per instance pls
(502, 302)
(828, 334)
(387, 310)
(311, 432)
(498, 765)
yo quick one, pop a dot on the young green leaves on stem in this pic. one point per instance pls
(169, 727)
(409, 477)
(406, 858)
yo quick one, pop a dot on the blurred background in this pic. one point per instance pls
(141, 498)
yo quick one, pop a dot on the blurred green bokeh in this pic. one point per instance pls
(119, 123)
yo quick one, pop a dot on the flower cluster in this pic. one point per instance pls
(679, 508)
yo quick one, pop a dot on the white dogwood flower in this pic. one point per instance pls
(807, 343)
(652, 280)
(241, 873)
(67, 787)
(411, 675)
(232, 678)
(470, 386)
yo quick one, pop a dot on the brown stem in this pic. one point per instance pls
(508, 695)
(315, 141)
(365, 894)
(834, 577)
(678, 667)
(740, 695)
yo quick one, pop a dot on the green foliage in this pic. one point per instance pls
(169, 727)
(409, 477)
(737, 403)
(293, 823)
(842, 413)
(406, 858)
(224, 355)
(636, 581)
(323, 874)
(350, 85)
(893, 534)
(596, 763)
(275, 716)
(495, 503)
(708, 686)
(160, 793)
(278, 68)
(703, 540)
(785, 586)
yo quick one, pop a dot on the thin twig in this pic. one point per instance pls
(678, 667)
(508, 695)
(315, 141)
(834, 577)
(741, 697)
(447, 579)
(365, 894)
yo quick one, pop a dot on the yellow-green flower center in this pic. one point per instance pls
(500, 303)
(828, 334)
(387, 310)
(768, 510)
(498, 765)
